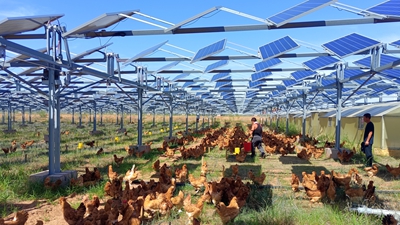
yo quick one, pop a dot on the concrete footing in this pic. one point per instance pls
(9, 131)
(331, 153)
(64, 176)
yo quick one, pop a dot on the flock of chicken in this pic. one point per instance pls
(13, 147)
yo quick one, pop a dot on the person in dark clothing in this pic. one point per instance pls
(368, 139)
(256, 140)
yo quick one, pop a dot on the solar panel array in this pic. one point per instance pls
(254, 84)
(144, 53)
(181, 76)
(351, 73)
(215, 65)
(320, 62)
(277, 48)
(390, 8)
(212, 49)
(298, 11)
(264, 65)
(350, 45)
(396, 43)
(300, 75)
(260, 76)
(220, 84)
(288, 83)
(219, 76)
(385, 59)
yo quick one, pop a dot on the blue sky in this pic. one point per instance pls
(174, 11)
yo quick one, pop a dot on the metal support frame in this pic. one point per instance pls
(30, 115)
(171, 112)
(95, 115)
(23, 116)
(164, 117)
(122, 117)
(140, 116)
(187, 118)
(13, 115)
(303, 131)
(339, 84)
(90, 115)
(154, 118)
(202, 124)
(3, 115)
(130, 116)
(80, 116)
(73, 116)
(9, 124)
(117, 116)
(101, 116)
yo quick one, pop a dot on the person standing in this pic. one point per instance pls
(368, 139)
(256, 140)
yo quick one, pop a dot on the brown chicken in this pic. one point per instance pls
(20, 218)
(197, 183)
(235, 170)
(194, 211)
(72, 216)
(393, 170)
(27, 144)
(355, 194)
(131, 174)
(303, 154)
(117, 160)
(111, 174)
(51, 185)
(100, 151)
(369, 195)
(257, 180)
(181, 174)
(372, 171)
(204, 167)
(156, 165)
(228, 213)
(295, 182)
(241, 157)
(90, 143)
(389, 220)
(345, 156)
(216, 195)
(91, 204)
(331, 192)
(177, 201)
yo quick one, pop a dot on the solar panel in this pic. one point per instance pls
(385, 59)
(389, 8)
(320, 62)
(144, 53)
(375, 110)
(183, 75)
(288, 83)
(302, 74)
(90, 51)
(298, 11)
(168, 66)
(369, 82)
(188, 84)
(15, 25)
(351, 73)
(327, 82)
(350, 45)
(220, 84)
(253, 84)
(212, 49)
(390, 92)
(261, 66)
(219, 76)
(215, 65)
(396, 44)
(260, 76)
(391, 73)
(277, 48)
(103, 21)
(348, 112)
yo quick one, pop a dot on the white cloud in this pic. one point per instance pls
(17, 11)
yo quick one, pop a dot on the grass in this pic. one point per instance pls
(268, 205)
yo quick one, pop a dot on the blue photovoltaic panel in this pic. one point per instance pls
(360, 92)
(331, 92)
(349, 112)
(350, 45)
(187, 84)
(347, 89)
(375, 110)
(327, 82)
(298, 11)
(369, 82)
(385, 59)
(389, 8)
(144, 53)
(392, 73)
(168, 66)
(300, 75)
(277, 48)
(320, 62)
(215, 65)
(251, 94)
(212, 49)
(351, 73)
(181, 76)
(396, 43)
(275, 93)
(253, 84)
(260, 76)
(390, 92)
(261, 66)
(288, 83)
(219, 76)
(222, 83)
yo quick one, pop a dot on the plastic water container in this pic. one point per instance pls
(247, 146)
(237, 151)
(80, 145)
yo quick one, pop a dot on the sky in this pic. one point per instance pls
(175, 11)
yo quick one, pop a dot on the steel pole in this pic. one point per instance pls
(171, 111)
(101, 116)
(140, 116)
(187, 118)
(3, 115)
(304, 114)
(73, 116)
(154, 118)
(9, 116)
(23, 115)
(90, 115)
(30, 114)
(57, 135)
(122, 117)
(94, 116)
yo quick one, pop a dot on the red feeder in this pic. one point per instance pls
(247, 146)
